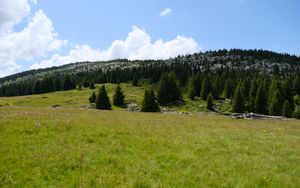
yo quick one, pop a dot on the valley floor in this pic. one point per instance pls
(71, 147)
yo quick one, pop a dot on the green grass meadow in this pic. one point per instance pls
(43, 146)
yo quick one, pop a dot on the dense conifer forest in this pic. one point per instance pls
(254, 80)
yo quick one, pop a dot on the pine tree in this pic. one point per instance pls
(135, 81)
(102, 100)
(169, 90)
(58, 86)
(92, 84)
(191, 90)
(149, 103)
(274, 86)
(287, 92)
(197, 85)
(286, 109)
(228, 89)
(206, 88)
(80, 86)
(37, 89)
(252, 95)
(210, 104)
(261, 100)
(93, 97)
(118, 98)
(275, 105)
(238, 105)
(297, 85)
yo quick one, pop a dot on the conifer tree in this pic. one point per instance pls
(275, 105)
(274, 86)
(238, 105)
(206, 88)
(135, 81)
(261, 100)
(252, 95)
(149, 103)
(287, 92)
(297, 85)
(169, 89)
(93, 97)
(102, 100)
(58, 86)
(228, 89)
(197, 85)
(80, 86)
(118, 98)
(92, 84)
(210, 104)
(286, 109)
(191, 90)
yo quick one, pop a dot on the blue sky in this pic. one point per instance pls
(214, 24)
(91, 27)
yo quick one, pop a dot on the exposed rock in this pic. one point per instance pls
(133, 107)
(88, 107)
(255, 116)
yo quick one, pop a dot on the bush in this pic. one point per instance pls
(296, 113)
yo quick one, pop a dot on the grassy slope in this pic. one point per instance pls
(72, 147)
(76, 98)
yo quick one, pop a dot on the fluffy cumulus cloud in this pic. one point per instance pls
(137, 45)
(165, 12)
(12, 12)
(35, 40)
(38, 38)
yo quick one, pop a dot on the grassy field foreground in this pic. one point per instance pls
(86, 148)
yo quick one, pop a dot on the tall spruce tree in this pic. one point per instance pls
(287, 92)
(228, 89)
(118, 98)
(135, 80)
(206, 88)
(169, 90)
(275, 105)
(286, 109)
(261, 100)
(238, 105)
(92, 84)
(190, 89)
(210, 103)
(149, 103)
(197, 85)
(252, 95)
(297, 85)
(102, 100)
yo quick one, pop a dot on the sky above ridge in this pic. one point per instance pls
(44, 33)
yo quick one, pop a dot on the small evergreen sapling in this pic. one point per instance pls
(149, 103)
(118, 98)
(102, 100)
(210, 104)
(92, 98)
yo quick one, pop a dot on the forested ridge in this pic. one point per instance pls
(255, 80)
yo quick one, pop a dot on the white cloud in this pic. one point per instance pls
(35, 40)
(34, 1)
(165, 12)
(137, 45)
(12, 12)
